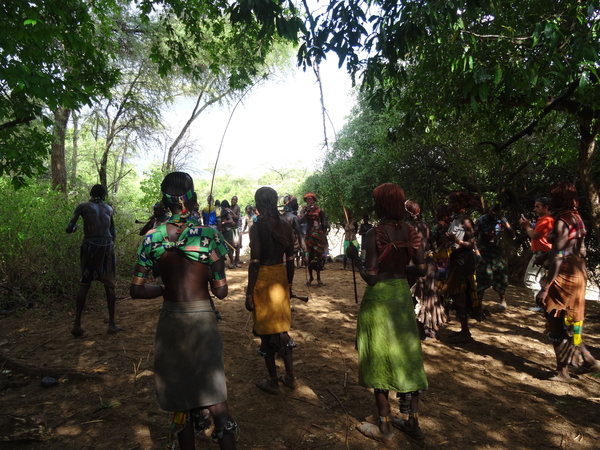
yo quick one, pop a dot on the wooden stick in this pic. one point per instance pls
(354, 279)
(347, 416)
(56, 372)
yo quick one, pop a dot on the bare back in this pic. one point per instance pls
(97, 219)
(185, 280)
(393, 265)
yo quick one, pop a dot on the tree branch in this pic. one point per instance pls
(528, 130)
(14, 123)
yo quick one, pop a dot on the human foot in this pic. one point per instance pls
(373, 432)
(113, 329)
(460, 338)
(287, 380)
(558, 376)
(77, 331)
(268, 386)
(594, 367)
(402, 425)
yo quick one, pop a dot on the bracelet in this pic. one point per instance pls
(218, 283)
(255, 261)
(139, 281)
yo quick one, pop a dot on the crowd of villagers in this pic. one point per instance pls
(404, 263)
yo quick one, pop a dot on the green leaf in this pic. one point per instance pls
(498, 77)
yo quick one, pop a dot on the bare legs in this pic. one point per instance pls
(220, 413)
(110, 302)
(383, 409)
(272, 384)
(81, 298)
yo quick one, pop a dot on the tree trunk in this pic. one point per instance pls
(59, 169)
(73, 177)
(589, 129)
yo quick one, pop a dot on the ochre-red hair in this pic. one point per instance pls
(563, 195)
(389, 201)
(464, 199)
(412, 207)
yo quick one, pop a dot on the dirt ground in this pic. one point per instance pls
(488, 394)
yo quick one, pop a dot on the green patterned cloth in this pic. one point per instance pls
(387, 339)
(202, 244)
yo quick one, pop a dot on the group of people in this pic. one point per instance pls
(402, 259)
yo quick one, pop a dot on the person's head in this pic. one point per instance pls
(290, 203)
(461, 200)
(98, 192)
(249, 210)
(217, 203)
(563, 195)
(389, 201)
(412, 208)
(225, 204)
(496, 210)
(542, 206)
(310, 198)
(178, 191)
(196, 207)
(159, 209)
(234, 200)
(366, 218)
(266, 201)
(442, 213)
(210, 200)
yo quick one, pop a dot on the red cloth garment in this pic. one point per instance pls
(543, 227)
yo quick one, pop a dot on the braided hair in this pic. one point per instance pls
(389, 201)
(413, 209)
(563, 195)
(270, 226)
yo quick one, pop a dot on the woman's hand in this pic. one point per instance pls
(249, 302)
(352, 252)
(540, 298)
(452, 237)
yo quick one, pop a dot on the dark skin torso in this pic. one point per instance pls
(293, 221)
(97, 219)
(257, 253)
(185, 280)
(394, 265)
(350, 230)
(422, 228)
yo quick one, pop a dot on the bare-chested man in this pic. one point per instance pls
(188, 349)
(316, 235)
(97, 254)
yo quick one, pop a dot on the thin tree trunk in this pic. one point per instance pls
(59, 169)
(75, 119)
(589, 129)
